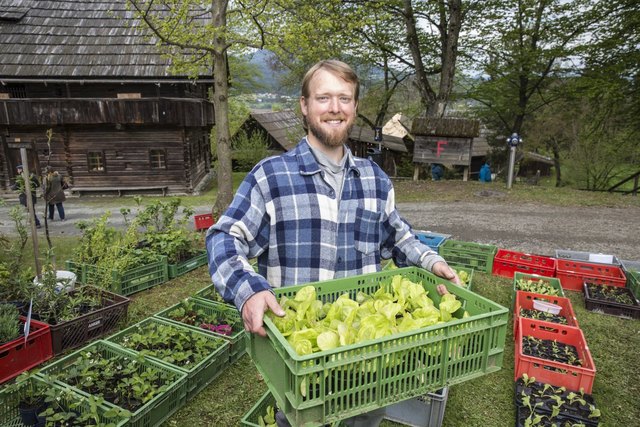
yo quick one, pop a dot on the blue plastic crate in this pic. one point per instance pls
(432, 239)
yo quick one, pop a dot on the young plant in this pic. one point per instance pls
(9, 323)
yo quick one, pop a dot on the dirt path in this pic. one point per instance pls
(526, 228)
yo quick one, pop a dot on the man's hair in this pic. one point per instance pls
(335, 67)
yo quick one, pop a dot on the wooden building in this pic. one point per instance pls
(283, 130)
(120, 120)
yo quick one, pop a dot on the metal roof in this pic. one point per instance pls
(75, 39)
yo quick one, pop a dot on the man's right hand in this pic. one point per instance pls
(254, 309)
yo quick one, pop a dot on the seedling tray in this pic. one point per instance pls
(629, 311)
(18, 356)
(155, 411)
(122, 283)
(431, 239)
(467, 254)
(328, 386)
(552, 282)
(92, 325)
(524, 300)
(549, 371)
(9, 401)
(200, 374)
(175, 270)
(506, 263)
(237, 339)
(423, 411)
(544, 396)
(573, 274)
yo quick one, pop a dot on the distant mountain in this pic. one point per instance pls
(270, 79)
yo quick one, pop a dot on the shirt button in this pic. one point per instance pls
(339, 260)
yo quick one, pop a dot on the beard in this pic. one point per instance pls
(331, 138)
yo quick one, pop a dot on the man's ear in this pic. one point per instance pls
(303, 105)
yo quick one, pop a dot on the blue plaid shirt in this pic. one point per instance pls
(286, 214)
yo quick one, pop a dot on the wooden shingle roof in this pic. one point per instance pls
(367, 135)
(76, 39)
(283, 126)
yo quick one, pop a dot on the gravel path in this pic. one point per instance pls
(526, 227)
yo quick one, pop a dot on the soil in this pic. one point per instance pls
(488, 219)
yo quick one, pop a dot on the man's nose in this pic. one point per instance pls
(334, 105)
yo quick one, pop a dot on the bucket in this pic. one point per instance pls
(66, 280)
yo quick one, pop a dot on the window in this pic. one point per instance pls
(95, 161)
(158, 159)
(17, 91)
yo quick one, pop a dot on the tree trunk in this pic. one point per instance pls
(427, 95)
(221, 106)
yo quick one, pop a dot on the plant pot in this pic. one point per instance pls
(66, 280)
(29, 412)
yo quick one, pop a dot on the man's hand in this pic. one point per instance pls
(254, 308)
(443, 270)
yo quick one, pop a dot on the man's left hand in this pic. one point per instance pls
(443, 270)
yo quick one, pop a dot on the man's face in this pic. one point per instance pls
(330, 109)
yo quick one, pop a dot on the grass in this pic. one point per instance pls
(486, 401)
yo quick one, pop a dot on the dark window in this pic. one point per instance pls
(95, 161)
(17, 91)
(158, 159)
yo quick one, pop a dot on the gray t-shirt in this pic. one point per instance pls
(333, 172)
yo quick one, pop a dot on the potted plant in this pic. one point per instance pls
(31, 401)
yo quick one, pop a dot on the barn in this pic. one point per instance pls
(88, 92)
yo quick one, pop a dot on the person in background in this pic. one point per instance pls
(54, 192)
(19, 186)
(485, 172)
(437, 171)
(312, 214)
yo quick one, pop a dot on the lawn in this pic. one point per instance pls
(486, 401)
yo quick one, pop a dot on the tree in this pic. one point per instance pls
(198, 37)
(524, 46)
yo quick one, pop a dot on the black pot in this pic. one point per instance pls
(29, 412)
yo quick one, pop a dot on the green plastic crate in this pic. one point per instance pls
(362, 377)
(209, 294)
(175, 270)
(632, 271)
(198, 375)
(250, 419)
(469, 272)
(470, 255)
(125, 283)
(9, 400)
(155, 411)
(237, 339)
(518, 275)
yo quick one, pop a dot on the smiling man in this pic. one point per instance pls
(314, 213)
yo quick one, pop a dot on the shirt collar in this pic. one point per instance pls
(309, 165)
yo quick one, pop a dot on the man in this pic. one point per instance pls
(19, 186)
(314, 213)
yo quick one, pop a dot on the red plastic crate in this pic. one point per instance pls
(506, 263)
(203, 222)
(573, 274)
(17, 356)
(525, 300)
(551, 372)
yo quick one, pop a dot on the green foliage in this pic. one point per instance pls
(249, 150)
(14, 275)
(9, 323)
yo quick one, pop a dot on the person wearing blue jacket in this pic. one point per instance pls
(485, 173)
